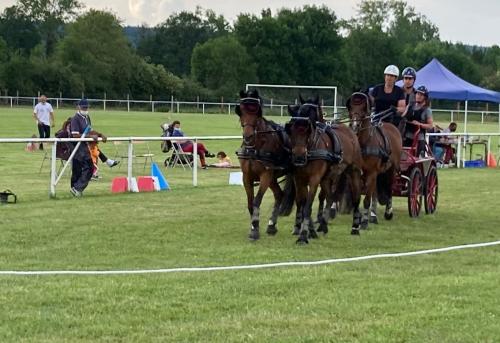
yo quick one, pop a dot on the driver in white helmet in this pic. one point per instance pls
(388, 94)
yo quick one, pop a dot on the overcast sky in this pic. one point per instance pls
(471, 22)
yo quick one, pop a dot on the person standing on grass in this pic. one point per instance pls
(43, 113)
(82, 165)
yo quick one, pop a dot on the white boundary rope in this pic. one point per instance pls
(255, 266)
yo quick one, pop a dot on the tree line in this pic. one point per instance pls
(55, 46)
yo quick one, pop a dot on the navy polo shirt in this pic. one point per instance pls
(79, 123)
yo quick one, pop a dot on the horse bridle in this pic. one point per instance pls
(366, 117)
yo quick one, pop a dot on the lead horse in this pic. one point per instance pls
(325, 157)
(264, 158)
(381, 147)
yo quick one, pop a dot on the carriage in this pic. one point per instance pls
(417, 179)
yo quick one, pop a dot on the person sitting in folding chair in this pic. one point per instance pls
(187, 146)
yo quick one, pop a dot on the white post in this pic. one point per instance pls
(335, 104)
(53, 175)
(465, 116)
(172, 104)
(459, 151)
(282, 110)
(451, 119)
(57, 103)
(488, 151)
(178, 111)
(229, 109)
(482, 117)
(130, 156)
(104, 101)
(203, 108)
(10, 102)
(128, 102)
(271, 104)
(152, 103)
(195, 163)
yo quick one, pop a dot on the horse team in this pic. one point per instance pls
(341, 161)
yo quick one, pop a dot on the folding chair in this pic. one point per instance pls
(121, 154)
(179, 157)
(47, 152)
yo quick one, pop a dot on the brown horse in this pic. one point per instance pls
(381, 147)
(264, 157)
(326, 157)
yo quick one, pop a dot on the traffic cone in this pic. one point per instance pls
(491, 160)
(162, 181)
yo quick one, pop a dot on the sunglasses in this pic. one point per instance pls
(408, 78)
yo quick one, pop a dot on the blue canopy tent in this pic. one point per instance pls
(443, 84)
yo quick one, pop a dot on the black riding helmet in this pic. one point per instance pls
(409, 71)
(423, 90)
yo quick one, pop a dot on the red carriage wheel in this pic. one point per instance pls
(431, 191)
(415, 193)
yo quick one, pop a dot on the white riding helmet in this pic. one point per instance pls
(391, 70)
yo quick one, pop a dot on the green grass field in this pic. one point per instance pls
(446, 297)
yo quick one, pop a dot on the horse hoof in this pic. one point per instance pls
(333, 213)
(254, 235)
(313, 234)
(271, 230)
(355, 232)
(364, 225)
(296, 231)
(388, 216)
(373, 220)
(323, 228)
(302, 241)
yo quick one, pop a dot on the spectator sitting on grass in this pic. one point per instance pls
(224, 161)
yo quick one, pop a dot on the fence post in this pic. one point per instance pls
(203, 108)
(128, 102)
(171, 104)
(53, 161)
(178, 107)
(451, 119)
(130, 156)
(482, 117)
(17, 98)
(195, 163)
(229, 109)
(104, 101)
(10, 102)
(197, 103)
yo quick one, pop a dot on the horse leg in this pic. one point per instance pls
(370, 191)
(306, 229)
(388, 214)
(264, 185)
(300, 200)
(373, 210)
(248, 184)
(321, 198)
(322, 212)
(278, 196)
(355, 183)
(326, 188)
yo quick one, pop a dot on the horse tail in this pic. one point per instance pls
(288, 200)
(343, 194)
(384, 187)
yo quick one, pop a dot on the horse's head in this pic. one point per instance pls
(358, 105)
(250, 111)
(299, 129)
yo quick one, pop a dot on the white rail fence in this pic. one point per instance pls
(176, 106)
(54, 177)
